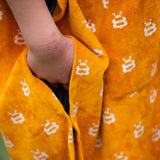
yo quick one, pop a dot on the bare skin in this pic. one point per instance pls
(50, 54)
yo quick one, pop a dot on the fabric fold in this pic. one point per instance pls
(26, 97)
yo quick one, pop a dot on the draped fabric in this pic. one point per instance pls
(114, 88)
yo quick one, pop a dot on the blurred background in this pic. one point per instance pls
(3, 151)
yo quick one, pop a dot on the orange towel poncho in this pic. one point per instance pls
(114, 87)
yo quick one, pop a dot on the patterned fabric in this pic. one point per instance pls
(114, 88)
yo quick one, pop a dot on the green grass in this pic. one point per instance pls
(3, 152)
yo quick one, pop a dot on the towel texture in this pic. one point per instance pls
(114, 88)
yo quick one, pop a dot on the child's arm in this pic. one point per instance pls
(50, 54)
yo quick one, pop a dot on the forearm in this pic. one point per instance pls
(35, 22)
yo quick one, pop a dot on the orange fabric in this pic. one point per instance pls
(114, 87)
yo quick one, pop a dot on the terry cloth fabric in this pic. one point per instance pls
(114, 89)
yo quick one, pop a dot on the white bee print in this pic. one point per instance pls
(90, 25)
(19, 40)
(150, 28)
(82, 69)
(119, 21)
(37, 155)
(138, 132)
(128, 65)
(94, 129)
(108, 117)
(105, 3)
(16, 117)
(50, 127)
(120, 157)
(25, 88)
(156, 135)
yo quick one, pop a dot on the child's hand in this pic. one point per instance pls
(53, 62)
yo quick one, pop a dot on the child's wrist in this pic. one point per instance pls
(51, 45)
